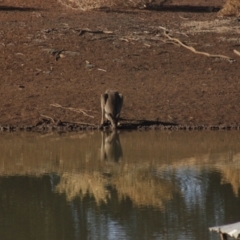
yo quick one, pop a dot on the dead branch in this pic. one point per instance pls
(236, 52)
(85, 30)
(82, 123)
(167, 30)
(78, 110)
(47, 117)
(194, 50)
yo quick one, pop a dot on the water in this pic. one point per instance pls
(132, 185)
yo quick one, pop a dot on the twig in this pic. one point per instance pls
(71, 109)
(48, 117)
(163, 28)
(236, 52)
(124, 39)
(100, 69)
(84, 30)
(194, 50)
(83, 123)
(167, 30)
(184, 18)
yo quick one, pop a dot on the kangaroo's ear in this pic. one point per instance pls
(121, 96)
(104, 98)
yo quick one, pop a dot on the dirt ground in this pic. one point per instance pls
(55, 63)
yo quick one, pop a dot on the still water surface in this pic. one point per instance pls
(132, 185)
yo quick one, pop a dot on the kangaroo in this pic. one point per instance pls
(111, 149)
(111, 105)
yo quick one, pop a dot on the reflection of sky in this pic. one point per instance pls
(173, 234)
(191, 182)
(103, 227)
(192, 186)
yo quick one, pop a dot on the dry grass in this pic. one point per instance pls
(93, 4)
(231, 8)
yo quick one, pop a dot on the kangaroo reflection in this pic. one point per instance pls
(111, 149)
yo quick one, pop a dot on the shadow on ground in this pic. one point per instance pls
(19, 9)
(183, 8)
(167, 8)
(135, 124)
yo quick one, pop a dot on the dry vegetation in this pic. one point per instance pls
(231, 8)
(92, 4)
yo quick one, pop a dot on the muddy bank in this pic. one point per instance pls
(140, 126)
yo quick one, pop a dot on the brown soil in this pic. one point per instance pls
(47, 58)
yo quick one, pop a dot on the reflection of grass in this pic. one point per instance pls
(231, 176)
(143, 188)
(140, 186)
(80, 184)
